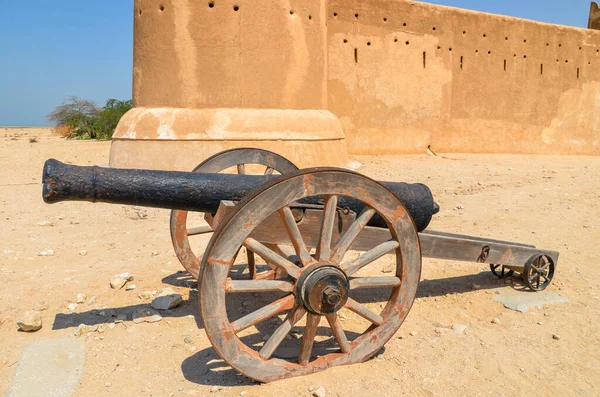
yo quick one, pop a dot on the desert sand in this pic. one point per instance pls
(550, 201)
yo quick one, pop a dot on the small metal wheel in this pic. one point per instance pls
(180, 232)
(502, 273)
(538, 272)
(244, 319)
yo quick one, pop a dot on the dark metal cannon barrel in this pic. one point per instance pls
(193, 191)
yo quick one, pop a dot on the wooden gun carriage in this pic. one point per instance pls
(307, 226)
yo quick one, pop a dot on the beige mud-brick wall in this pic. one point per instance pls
(405, 75)
(212, 75)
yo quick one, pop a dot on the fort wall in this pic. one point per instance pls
(406, 75)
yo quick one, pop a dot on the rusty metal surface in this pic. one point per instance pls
(264, 364)
(196, 191)
(180, 231)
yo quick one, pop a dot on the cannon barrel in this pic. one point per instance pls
(193, 191)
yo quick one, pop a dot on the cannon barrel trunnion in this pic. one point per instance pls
(319, 233)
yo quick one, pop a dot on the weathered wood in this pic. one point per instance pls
(310, 332)
(374, 282)
(264, 313)
(281, 332)
(370, 256)
(241, 286)
(194, 231)
(338, 332)
(349, 237)
(363, 311)
(295, 236)
(329, 215)
(272, 257)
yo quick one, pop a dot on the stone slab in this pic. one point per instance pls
(49, 368)
(523, 301)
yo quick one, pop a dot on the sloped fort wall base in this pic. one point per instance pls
(179, 138)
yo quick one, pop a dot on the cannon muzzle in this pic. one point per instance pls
(193, 191)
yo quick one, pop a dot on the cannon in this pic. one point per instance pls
(318, 232)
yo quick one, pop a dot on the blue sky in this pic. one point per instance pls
(50, 50)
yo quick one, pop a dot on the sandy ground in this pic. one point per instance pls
(552, 202)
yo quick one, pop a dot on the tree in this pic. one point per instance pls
(76, 118)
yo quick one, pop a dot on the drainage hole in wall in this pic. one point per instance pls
(577, 73)
(335, 14)
(395, 40)
(525, 41)
(542, 69)
(408, 42)
(310, 17)
(236, 8)
(484, 35)
(345, 41)
(356, 16)
(404, 24)
(211, 4)
(384, 19)
(162, 8)
(450, 49)
(505, 65)
(476, 51)
(524, 56)
(464, 32)
(140, 12)
(489, 53)
(291, 12)
(560, 45)
(433, 28)
(368, 43)
(567, 61)
(506, 38)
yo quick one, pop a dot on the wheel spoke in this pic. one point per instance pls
(251, 263)
(242, 286)
(363, 311)
(264, 313)
(272, 257)
(269, 171)
(295, 236)
(538, 281)
(352, 267)
(310, 331)
(194, 231)
(280, 333)
(329, 215)
(374, 282)
(338, 332)
(241, 169)
(351, 234)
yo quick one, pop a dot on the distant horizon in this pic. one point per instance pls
(55, 50)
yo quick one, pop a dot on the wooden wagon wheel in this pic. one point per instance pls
(239, 158)
(319, 286)
(538, 272)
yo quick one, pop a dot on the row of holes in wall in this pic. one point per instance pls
(465, 33)
(211, 4)
(462, 62)
(450, 49)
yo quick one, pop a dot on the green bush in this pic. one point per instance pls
(81, 119)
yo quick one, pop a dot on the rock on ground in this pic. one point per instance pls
(166, 299)
(30, 321)
(146, 315)
(83, 329)
(119, 280)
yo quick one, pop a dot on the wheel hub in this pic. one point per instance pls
(322, 289)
